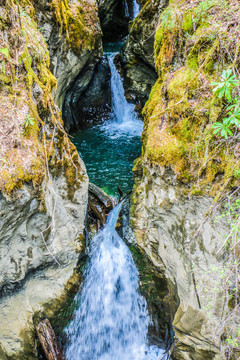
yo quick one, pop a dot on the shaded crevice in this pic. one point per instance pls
(114, 19)
(88, 102)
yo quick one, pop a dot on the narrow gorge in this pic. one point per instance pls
(119, 179)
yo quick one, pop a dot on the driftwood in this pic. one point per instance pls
(97, 211)
(99, 204)
(101, 196)
(49, 341)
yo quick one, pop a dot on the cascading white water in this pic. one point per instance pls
(136, 9)
(125, 119)
(112, 319)
(126, 11)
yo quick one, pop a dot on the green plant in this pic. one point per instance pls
(226, 85)
(29, 121)
(223, 128)
(225, 88)
(5, 52)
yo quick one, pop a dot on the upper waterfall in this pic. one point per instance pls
(124, 117)
(136, 8)
(116, 139)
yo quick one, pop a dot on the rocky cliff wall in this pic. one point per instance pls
(137, 54)
(74, 38)
(166, 225)
(43, 182)
(186, 172)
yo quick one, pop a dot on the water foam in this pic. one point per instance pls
(112, 320)
(124, 119)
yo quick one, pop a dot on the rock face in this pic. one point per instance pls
(88, 103)
(43, 182)
(73, 34)
(186, 171)
(165, 222)
(39, 251)
(114, 17)
(137, 54)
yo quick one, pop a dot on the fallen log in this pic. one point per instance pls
(49, 341)
(101, 196)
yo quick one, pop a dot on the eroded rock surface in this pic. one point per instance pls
(73, 34)
(39, 251)
(89, 103)
(165, 222)
(137, 55)
(43, 184)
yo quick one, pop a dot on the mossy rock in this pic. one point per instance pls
(182, 108)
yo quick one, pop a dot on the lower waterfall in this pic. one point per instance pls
(111, 320)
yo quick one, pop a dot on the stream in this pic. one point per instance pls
(111, 321)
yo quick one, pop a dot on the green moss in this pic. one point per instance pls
(187, 22)
(181, 108)
(26, 66)
(5, 79)
(184, 81)
(79, 21)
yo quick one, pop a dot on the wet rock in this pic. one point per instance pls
(39, 251)
(164, 222)
(88, 103)
(98, 92)
(114, 17)
(137, 54)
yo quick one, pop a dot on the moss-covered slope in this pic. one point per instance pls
(33, 141)
(195, 41)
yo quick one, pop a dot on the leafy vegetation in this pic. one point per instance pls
(225, 88)
(28, 121)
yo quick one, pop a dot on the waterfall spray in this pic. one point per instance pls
(112, 320)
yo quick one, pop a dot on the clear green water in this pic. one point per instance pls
(112, 47)
(108, 159)
(109, 149)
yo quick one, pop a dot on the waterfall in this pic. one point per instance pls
(109, 148)
(111, 321)
(126, 11)
(124, 117)
(136, 8)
